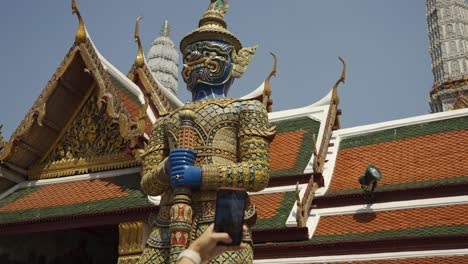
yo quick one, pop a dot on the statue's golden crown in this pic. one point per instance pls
(212, 27)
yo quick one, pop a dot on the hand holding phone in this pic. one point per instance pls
(229, 214)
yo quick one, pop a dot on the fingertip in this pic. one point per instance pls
(222, 237)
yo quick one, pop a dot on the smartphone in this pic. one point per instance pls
(229, 214)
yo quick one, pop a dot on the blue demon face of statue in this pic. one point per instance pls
(208, 69)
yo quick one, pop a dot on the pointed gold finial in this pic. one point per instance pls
(80, 36)
(2, 143)
(267, 90)
(335, 97)
(165, 29)
(139, 61)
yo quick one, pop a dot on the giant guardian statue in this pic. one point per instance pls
(212, 142)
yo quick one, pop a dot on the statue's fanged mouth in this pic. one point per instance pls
(205, 62)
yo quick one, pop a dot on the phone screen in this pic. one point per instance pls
(229, 215)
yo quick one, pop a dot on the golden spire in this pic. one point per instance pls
(80, 36)
(139, 61)
(165, 29)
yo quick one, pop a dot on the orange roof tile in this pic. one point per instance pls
(423, 158)
(68, 193)
(426, 260)
(267, 204)
(129, 104)
(285, 149)
(393, 220)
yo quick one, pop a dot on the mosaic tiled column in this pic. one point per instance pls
(181, 210)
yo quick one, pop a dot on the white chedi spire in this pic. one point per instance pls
(163, 60)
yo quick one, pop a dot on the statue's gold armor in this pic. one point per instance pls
(232, 143)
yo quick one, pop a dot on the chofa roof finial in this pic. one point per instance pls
(140, 59)
(80, 36)
(335, 97)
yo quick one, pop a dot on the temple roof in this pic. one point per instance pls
(416, 222)
(425, 154)
(44, 200)
(108, 194)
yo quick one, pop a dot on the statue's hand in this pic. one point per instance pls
(181, 170)
(179, 156)
(186, 175)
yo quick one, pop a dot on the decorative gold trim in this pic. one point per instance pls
(88, 165)
(304, 205)
(129, 259)
(152, 88)
(80, 36)
(459, 103)
(140, 59)
(70, 121)
(133, 130)
(131, 238)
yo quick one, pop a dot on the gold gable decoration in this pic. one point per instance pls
(460, 103)
(92, 142)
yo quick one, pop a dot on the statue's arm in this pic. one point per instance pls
(154, 179)
(253, 170)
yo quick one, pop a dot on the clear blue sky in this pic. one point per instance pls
(385, 43)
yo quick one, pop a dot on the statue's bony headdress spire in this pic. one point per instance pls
(80, 36)
(140, 59)
(241, 60)
(213, 27)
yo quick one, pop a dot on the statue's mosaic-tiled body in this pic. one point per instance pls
(229, 136)
(232, 141)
